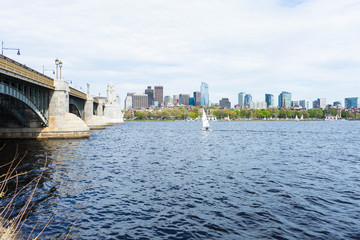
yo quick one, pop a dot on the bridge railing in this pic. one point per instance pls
(11, 66)
(77, 93)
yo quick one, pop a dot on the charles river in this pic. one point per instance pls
(170, 180)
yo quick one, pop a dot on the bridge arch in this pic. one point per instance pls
(8, 90)
(76, 107)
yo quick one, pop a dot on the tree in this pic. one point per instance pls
(166, 113)
(140, 115)
(288, 113)
(127, 115)
(244, 113)
(344, 114)
(177, 113)
(282, 113)
(193, 115)
(319, 113)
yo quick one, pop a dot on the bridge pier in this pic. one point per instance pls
(63, 124)
(93, 121)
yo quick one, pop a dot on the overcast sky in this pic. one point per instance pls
(310, 48)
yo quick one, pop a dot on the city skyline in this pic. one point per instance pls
(266, 46)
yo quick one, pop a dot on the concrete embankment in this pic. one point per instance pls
(71, 127)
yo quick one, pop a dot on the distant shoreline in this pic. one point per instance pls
(252, 120)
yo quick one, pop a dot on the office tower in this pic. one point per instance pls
(304, 104)
(168, 101)
(140, 101)
(184, 99)
(159, 95)
(204, 92)
(295, 104)
(197, 98)
(128, 100)
(176, 100)
(192, 101)
(257, 105)
(352, 102)
(337, 104)
(241, 96)
(247, 99)
(320, 103)
(150, 93)
(269, 99)
(225, 103)
(284, 100)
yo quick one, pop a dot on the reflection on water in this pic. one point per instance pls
(243, 180)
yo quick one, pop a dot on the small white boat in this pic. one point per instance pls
(205, 122)
(296, 118)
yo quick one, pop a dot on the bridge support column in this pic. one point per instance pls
(93, 121)
(59, 103)
(63, 124)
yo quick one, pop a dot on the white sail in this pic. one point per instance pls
(205, 121)
(302, 117)
(296, 118)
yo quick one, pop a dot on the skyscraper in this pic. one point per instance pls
(247, 99)
(241, 96)
(204, 91)
(284, 100)
(304, 104)
(225, 103)
(319, 103)
(352, 102)
(128, 101)
(168, 101)
(150, 93)
(269, 99)
(176, 100)
(184, 99)
(197, 98)
(139, 101)
(159, 95)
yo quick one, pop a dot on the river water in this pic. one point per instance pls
(170, 180)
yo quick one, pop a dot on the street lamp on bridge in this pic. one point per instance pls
(2, 49)
(58, 64)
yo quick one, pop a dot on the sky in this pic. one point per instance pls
(310, 48)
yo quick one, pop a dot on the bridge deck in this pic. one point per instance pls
(20, 71)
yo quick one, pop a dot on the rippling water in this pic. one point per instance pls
(169, 180)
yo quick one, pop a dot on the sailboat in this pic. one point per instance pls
(302, 117)
(296, 118)
(205, 122)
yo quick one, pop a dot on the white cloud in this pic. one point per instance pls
(309, 48)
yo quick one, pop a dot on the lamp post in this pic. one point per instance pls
(57, 67)
(2, 49)
(60, 65)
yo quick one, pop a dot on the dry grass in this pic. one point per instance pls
(10, 226)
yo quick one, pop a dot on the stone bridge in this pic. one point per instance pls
(33, 105)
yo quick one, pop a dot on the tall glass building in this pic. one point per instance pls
(241, 96)
(352, 102)
(204, 91)
(269, 99)
(247, 99)
(284, 100)
(305, 104)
